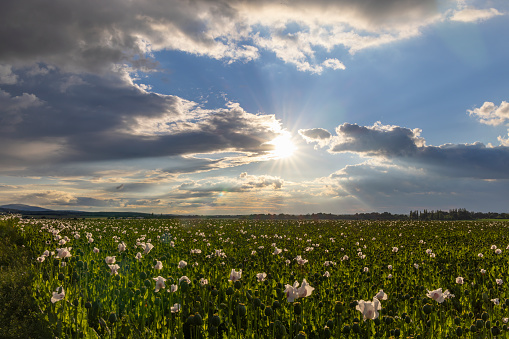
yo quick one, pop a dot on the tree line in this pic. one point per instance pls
(455, 214)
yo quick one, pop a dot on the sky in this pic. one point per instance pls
(255, 106)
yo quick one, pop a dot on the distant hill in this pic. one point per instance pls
(44, 213)
(21, 207)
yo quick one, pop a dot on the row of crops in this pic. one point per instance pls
(270, 279)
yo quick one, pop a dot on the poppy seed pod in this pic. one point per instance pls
(459, 331)
(215, 320)
(198, 320)
(327, 332)
(241, 310)
(495, 330)
(268, 311)
(339, 307)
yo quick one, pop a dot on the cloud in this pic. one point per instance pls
(252, 181)
(405, 146)
(78, 36)
(503, 141)
(384, 186)
(62, 199)
(110, 119)
(319, 135)
(473, 14)
(18, 103)
(243, 192)
(7, 77)
(490, 114)
(334, 64)
(13, 109)
(376, 140)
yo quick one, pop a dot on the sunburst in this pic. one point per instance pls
(283, 147)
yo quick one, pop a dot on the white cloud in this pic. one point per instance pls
(473, 14)
(334, 64)
(490, 114)
(503, 141)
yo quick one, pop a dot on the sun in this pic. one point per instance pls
(283, 147)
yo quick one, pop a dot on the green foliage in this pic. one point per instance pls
(346, 263)
(19, 312)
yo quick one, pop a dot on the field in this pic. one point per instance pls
(270, 279)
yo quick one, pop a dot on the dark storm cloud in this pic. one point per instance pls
(403, 145)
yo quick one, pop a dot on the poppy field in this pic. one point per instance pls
(209, 278)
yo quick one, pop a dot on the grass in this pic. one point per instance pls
(19, 313)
